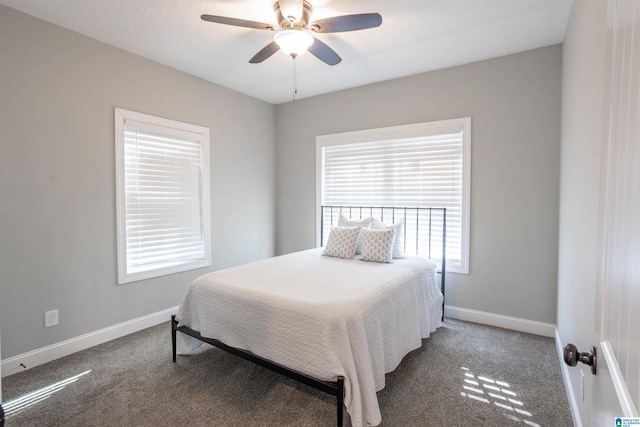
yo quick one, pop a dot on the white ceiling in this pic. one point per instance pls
(415, 36)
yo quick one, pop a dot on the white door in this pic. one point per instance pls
(617, 383)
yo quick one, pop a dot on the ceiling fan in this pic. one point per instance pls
(294, 30)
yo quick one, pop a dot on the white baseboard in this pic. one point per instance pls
(507, 322)
(43, 355)
(571, 396)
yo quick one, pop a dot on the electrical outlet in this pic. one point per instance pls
(50, 318)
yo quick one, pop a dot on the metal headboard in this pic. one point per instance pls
(417, 221)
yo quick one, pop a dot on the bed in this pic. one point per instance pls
(338, 324)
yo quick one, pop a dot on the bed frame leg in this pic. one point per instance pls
(340, 397)
(174, 324)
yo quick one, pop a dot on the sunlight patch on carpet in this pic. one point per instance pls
(500, 394)
(19, 404)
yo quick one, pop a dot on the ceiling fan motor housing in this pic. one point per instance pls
(289, 22)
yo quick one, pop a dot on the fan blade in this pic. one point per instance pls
(237, 22)
(265, 53)
(340, 24)
(324, 53)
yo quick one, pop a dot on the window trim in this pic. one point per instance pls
(409, 131)
(170, 127)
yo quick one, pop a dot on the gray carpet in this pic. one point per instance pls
(463, 375)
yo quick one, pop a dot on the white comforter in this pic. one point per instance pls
(322, 316)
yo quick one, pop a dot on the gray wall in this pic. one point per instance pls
(583, 83)
(57, 194)
(57, 177)
(514, 103)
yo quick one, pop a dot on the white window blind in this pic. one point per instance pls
(163, 196)
(424, 165)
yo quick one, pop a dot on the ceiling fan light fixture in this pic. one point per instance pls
(293, 42)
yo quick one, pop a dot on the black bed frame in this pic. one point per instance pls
(334, 388)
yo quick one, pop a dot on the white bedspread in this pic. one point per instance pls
(322, 316)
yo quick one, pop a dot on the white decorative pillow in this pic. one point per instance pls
(398, 244)
(344, 221)
(377, 245)
(342, 242)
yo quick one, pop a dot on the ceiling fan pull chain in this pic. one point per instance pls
(295, 78)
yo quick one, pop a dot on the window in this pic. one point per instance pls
(419, 165)
(162, 188)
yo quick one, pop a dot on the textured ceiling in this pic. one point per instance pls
(415, 36)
